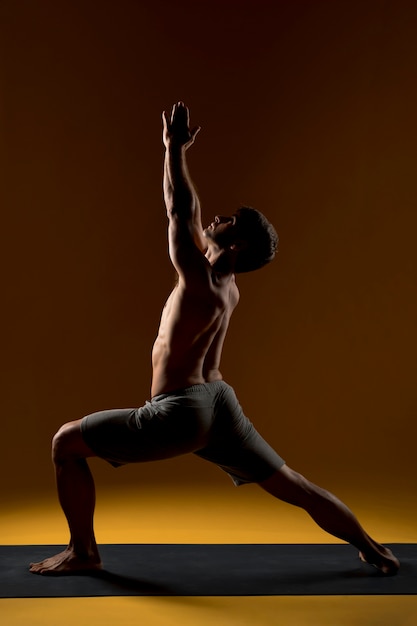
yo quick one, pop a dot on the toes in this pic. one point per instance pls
(35, 568)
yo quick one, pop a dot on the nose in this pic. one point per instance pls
(219, 219)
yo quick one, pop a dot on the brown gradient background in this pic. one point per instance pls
(308, 113)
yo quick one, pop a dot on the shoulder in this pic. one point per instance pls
(188, 259)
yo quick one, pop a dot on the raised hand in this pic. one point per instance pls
(176, 131)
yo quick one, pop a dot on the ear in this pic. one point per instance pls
(239, 245)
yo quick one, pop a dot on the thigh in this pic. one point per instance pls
(236, 446)
(110, 434)
(155, 431)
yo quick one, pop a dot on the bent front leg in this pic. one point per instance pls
(76, 492)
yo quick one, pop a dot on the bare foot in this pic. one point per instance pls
(66, 562)
(383, 559)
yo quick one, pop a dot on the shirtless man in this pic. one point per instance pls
(192, 409)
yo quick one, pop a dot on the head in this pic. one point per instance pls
(256, 240)
(246, 239)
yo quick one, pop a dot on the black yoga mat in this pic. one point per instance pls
(210, 570)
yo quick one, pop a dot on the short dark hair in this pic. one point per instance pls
(260, 237)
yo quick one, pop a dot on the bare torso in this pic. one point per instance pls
(192, 330)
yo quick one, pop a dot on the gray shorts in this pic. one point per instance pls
(205, 419)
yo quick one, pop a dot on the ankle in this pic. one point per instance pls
(84, 551)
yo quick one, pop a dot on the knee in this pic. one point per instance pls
(290, 486)
(61, 444)
(309, 495)
(302, 490)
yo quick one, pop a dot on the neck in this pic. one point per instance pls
(213, 252)
(221, 261)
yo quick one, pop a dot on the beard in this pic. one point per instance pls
(209, 232)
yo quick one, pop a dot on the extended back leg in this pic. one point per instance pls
(330, 514)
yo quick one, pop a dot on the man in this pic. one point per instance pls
(192, 408)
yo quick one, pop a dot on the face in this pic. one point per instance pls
(222, 231)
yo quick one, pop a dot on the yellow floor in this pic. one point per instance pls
(187, 514)
(219, 611)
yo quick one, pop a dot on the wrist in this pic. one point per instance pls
(174, 146)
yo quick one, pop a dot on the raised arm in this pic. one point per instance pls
(180, 196)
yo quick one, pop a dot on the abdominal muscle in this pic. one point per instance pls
(165, 379)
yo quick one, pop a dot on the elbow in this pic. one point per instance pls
(179, 204)
(169, 204)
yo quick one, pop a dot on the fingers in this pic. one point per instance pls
(173, 112)
(178, 111)
(195, 132)
(177, 125)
